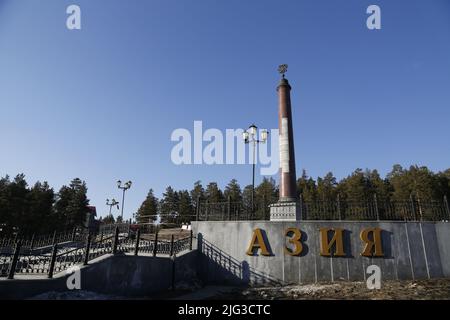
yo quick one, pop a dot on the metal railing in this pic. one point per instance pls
(372, 209)
(231, 210)
(60, 257)
(33, 241)
(124, 227)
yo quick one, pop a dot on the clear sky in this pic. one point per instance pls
(100, 103)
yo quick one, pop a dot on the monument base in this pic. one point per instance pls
(285, 211)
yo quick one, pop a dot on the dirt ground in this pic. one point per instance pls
(434, 289)
(165, 234)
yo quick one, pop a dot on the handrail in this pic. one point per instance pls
(18, 262)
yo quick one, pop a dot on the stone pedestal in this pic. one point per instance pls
(285, 211)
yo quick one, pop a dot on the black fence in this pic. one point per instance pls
(411, 210)
(373, 209)
(20, 260)
(39, 241)
(231, 210)
(124, 227)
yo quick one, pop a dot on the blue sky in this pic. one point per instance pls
(101, 103)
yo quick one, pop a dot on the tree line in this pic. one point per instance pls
(399, 185)
(39, 209)
(183, 203)
(361, 185)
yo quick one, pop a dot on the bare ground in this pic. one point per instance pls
(433, 289)
(166, 234)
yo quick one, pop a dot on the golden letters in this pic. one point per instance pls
(258, 242)
(295, 240)
(337, 239)
(371, 237)
(370, 244)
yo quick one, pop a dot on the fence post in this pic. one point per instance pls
(171, 245)
(413, 208)
(446, 207)
(12, 268)
(155, 248)
(53, 261)
(339, 206)
(54, 237)
(264, 208)
(190, 239)
(222, 210)
(32, 243)
(74, 233)
(116, 240)
(173, 273)
(138, 238)
(197, 209)
(300, 202)
(88, 247)
(229, 208)
(375, 200)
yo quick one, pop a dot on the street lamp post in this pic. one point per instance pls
(250, 136)
(111, 204)
(125, 187)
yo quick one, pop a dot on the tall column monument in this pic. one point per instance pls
(287, 208)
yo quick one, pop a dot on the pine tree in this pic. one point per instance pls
(18, 206)
(355, 187)
(418, 182)
(265, 193)
(233, 191)
(41, 216)
(6, 216)
(306, 187)
(424, 183)
(169, 204)
(72, 205)
(213, 193)
(78, 207)
(327, 188)
(400, 182)
(443, 181)
(185, 207)
(378, 186)
(247, 198)
(197, 193)
(148, 210)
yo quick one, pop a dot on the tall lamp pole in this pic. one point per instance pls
(250, 136)
(124, 187)
(111, 204)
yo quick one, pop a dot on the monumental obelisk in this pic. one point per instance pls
(287, 207)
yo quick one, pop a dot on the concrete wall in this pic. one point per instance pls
(121, 275)
(412, 251)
